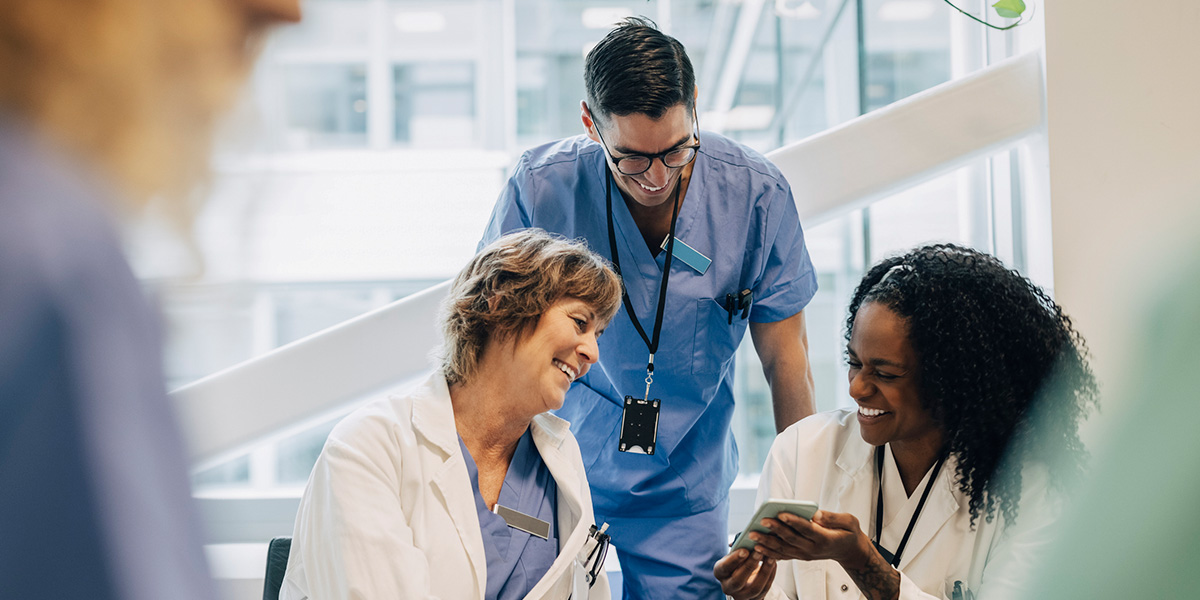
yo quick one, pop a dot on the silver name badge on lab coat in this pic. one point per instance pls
(688, 255)
(519, 520)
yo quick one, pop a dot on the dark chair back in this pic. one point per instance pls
(277, 559)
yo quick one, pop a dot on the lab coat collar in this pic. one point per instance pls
(549, 435)
(433, 414)
(549, 432)
(856, 462)
(943, 502)
(433, 419)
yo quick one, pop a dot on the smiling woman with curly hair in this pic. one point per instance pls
(970, 384)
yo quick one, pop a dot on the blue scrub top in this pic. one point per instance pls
(739, 212)
(516, 560)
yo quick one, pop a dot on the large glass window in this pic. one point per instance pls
(376, 135)
(326, 106)
(435, 104)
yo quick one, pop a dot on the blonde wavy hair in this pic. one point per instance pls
(504, 290)
(131, 86)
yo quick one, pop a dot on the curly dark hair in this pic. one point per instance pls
(993, 349)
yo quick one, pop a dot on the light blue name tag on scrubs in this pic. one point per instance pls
(689, 255)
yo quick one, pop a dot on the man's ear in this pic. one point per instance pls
(589, 125)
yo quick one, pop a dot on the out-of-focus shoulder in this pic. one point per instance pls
(58, 240)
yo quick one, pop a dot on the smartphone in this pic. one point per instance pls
(770, 510)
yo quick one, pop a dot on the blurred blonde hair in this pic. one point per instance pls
(131, 86)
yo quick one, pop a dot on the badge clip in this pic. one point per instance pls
(639, 425)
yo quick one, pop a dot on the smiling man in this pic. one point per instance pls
(705, 234)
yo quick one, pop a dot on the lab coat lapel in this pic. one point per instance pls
(856, 483)
(433, 419)
(549, 432)
(939, 507)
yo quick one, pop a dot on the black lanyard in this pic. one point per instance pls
(651, 343)
(894, 559)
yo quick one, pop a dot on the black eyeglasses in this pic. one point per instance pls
(637, 163)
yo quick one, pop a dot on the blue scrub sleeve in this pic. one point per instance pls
(788, 282)
(510, 212)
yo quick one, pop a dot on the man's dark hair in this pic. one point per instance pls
(637, 69)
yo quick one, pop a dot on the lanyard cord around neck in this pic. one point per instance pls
(937, 467)
(651, 343)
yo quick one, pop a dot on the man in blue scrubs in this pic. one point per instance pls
(642, 171)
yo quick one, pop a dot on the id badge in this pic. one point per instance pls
(639, 425)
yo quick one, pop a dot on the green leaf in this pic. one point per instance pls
(1009, 9)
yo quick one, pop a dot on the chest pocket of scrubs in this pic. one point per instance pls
(715, 339)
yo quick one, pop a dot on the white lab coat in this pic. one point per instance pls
(824, 459)
(389, 511)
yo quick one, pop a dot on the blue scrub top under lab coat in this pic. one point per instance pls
(516, 560)
(739, 212)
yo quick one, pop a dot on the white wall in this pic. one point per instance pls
(1123, 92)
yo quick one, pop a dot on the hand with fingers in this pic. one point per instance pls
(832, 536)
(745, 575)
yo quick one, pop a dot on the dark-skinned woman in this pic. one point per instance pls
(942, 482)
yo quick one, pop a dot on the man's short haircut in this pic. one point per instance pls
(637, 69)
(507, 286)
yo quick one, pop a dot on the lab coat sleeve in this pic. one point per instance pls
(1021, 548)
(779, 481)
(1017, 549)
(352, 532)
(511, 211)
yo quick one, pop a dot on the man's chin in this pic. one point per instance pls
(651, 199)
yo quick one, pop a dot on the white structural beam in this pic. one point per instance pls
(310, 377)
(914, 139)
(735, 62)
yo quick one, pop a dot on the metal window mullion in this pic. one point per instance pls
(381, 110)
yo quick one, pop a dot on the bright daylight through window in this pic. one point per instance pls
(374, 138)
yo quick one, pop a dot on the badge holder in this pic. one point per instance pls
(639, 421)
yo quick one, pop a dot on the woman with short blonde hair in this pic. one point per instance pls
(467, 487)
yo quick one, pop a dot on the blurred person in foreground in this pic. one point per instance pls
(104, 104)
(1133, 530)
(466, 487)
(950, 357)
